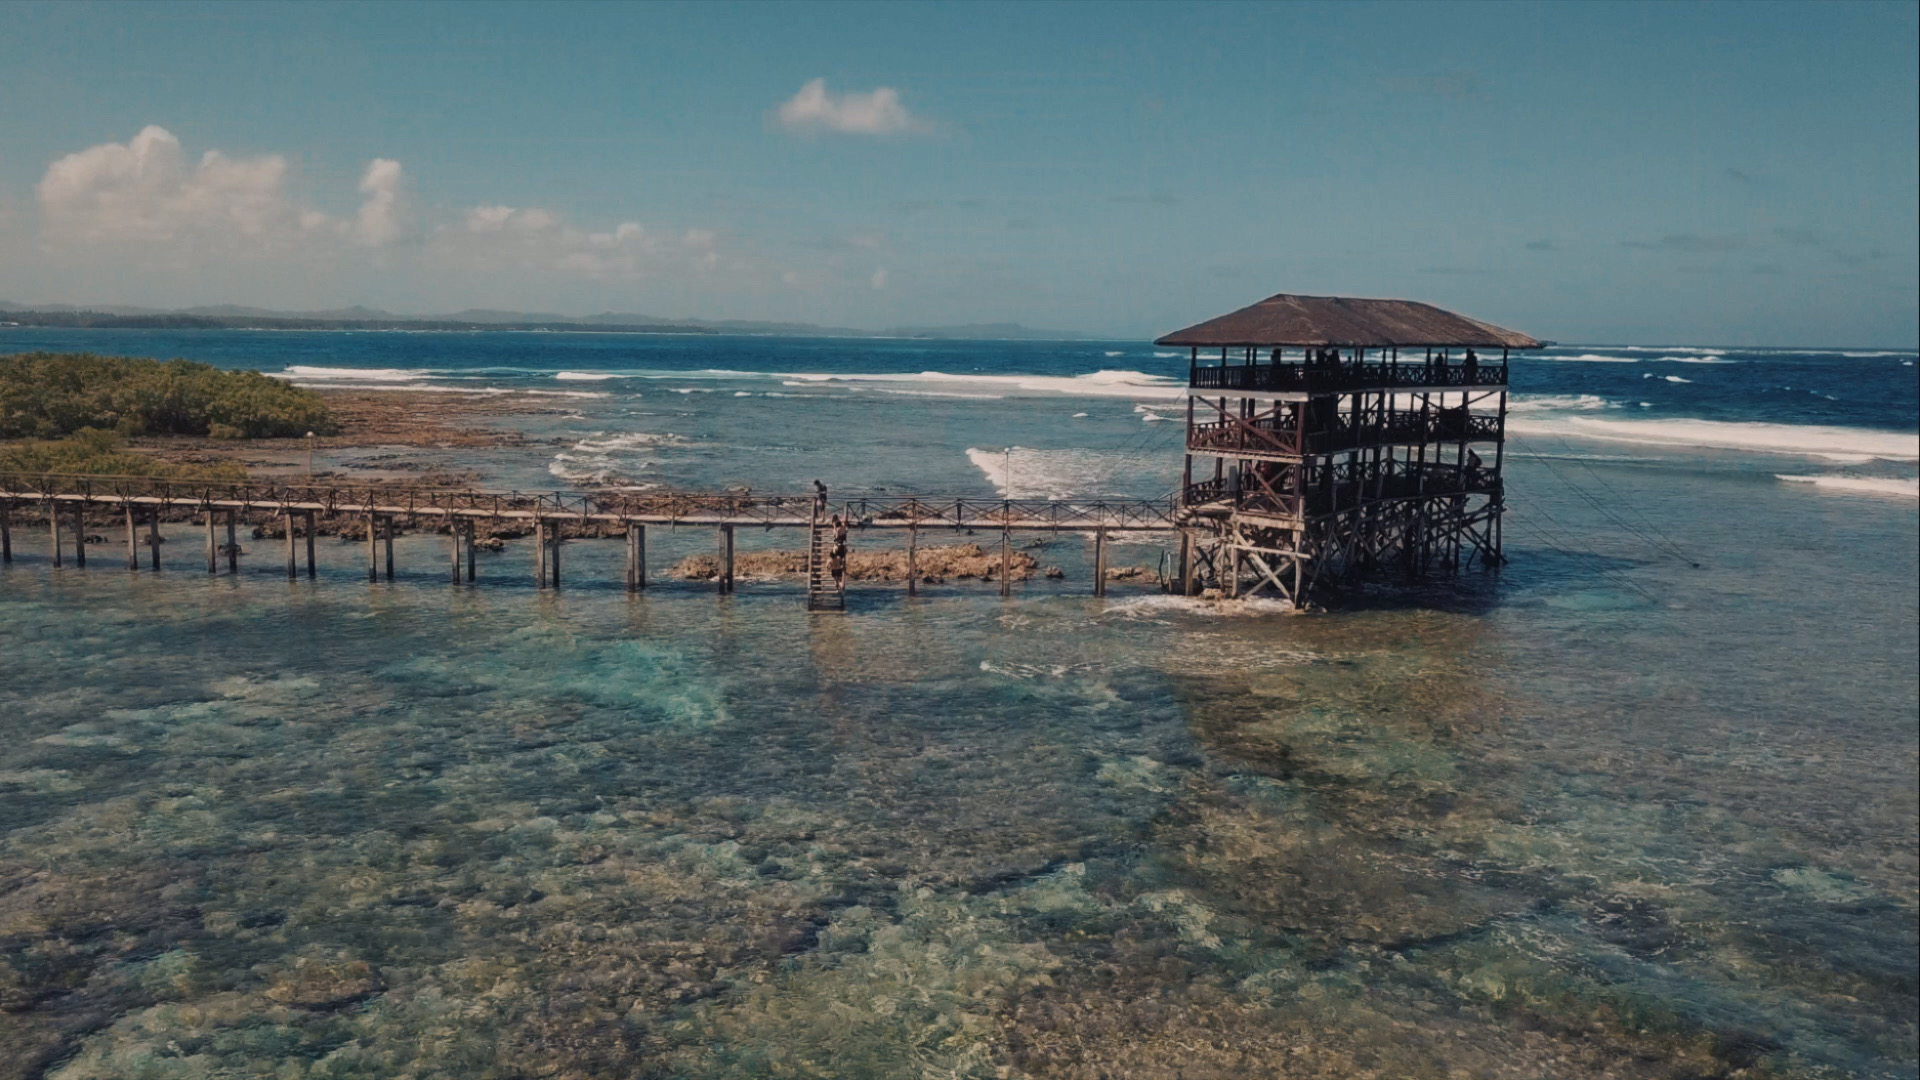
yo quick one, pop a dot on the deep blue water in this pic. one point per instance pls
(1642, 805)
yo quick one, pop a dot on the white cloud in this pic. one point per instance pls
(504, 236)
(145, 190)
(877, 112)
(378, 222)
(879, 279)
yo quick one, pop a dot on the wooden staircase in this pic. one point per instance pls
(823, 593)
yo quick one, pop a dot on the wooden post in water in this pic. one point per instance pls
(386, 539)
(540, 552)
(153, 536)
(6, 531)
(554, 536)
(307, 521)
(913, 555)
(213, 545)
(1186, 563)
(726, 560)
(80, 535)
(133, 539)
(453, 545)
(53, 525)
(636, 557)
(1100, 561)
(1006, 564)
(373, 549)
(468, 525)
(293, 552)
(233, 542)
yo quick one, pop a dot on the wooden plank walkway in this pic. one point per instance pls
(612, 507)
(461, 509)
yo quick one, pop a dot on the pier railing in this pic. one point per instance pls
(1272, 436)
(1342, 487)
(612, 507)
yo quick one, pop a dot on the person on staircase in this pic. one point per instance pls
(837, 562)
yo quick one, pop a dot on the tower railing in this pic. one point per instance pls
(1315, 379)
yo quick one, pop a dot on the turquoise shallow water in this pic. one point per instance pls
(1610, 814)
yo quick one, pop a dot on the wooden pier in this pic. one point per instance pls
(142, 503)
(1336, 457)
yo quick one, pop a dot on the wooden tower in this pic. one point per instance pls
(1332, 439)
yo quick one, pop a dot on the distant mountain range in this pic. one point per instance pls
(235, 317)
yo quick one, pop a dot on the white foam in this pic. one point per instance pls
(1860, 485)
(1123, 384)
(1166, 355)
(594, 458)
(938, 393)
(1079, 415)
(1147, 607)
(406, 388)
(1557, 403)
(1809, 440)
(602, 443)
(1675, 378)
(312, 373)
(1060, 474)
(1113, 353)
(1696, 350)
(562, 393)
(1588, 358)
(1154, 418)
(588, 376)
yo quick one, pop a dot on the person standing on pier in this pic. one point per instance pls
(819, 498)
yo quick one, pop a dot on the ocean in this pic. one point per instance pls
(1642, 804)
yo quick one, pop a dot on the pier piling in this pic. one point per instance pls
(636, 557)
(453, 546)
(1100, 561)
(1006, 563)
(549, 516)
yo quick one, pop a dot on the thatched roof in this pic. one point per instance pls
(1342, 320)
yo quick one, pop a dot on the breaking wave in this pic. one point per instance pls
(1106, 383)
(1860, 485)
(1807, 440)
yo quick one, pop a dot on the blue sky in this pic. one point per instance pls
(1707, 173)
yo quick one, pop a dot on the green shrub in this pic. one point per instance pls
(47, 395)
(94, 452)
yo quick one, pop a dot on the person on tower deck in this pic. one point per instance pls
(1472, 365)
